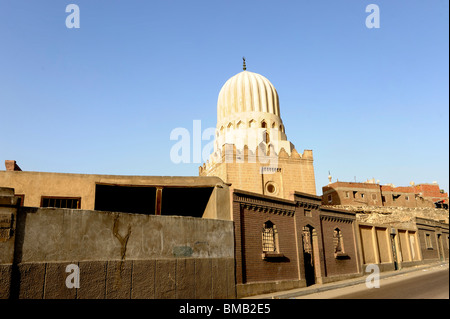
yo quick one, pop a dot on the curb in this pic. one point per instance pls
(309, 291)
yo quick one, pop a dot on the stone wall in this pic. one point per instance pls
(34, 185)
(376, 214)
(119, 255)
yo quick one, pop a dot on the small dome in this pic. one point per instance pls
(247, 92)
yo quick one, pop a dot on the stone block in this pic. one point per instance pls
(231, 281)
(5, 281)
(92, 280)
(55, 282)
(185, 278)
(165, 275)
(143, 279)
(219, 278)
(31, 280)
(203, 278)
(118, 280)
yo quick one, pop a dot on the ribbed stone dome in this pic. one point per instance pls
(244, 93)
(248, 113)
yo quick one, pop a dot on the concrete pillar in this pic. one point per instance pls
(317, 253)
(418, 249)
(376, 252)
(358, 246)
(8, 217)
(388, 238)
(408, 246)
(297, 246)
(158, 200)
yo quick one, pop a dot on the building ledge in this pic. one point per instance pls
(341, 256)
(272, 255)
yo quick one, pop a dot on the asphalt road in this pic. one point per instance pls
(428, 285)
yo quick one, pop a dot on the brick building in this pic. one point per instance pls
(284, 244)
(434, 239)
(373, 194)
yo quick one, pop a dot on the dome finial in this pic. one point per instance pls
(244, 67)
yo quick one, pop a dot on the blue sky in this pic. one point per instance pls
(103, 99)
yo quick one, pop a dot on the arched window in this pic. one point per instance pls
(338, 241)
(269, 237)
(266, 137)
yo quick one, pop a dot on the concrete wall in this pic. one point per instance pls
(63, 234)
(377, 247)
(119, 255)
(34, 185)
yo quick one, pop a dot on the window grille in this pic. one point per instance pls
(61, 202)
(337, 240)
(269, 237)
(307, 244)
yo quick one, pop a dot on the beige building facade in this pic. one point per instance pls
(151, 195)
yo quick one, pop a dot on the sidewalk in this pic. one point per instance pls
(340, 284)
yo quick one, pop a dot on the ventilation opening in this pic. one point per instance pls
(271, 188)
(180, 201)
(185, 201)
(125, 199)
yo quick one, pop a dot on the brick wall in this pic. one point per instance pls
(249, 220)
(438, 237)
(255, 274)
(339, 265)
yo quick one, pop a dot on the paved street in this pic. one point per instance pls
(432, 283)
